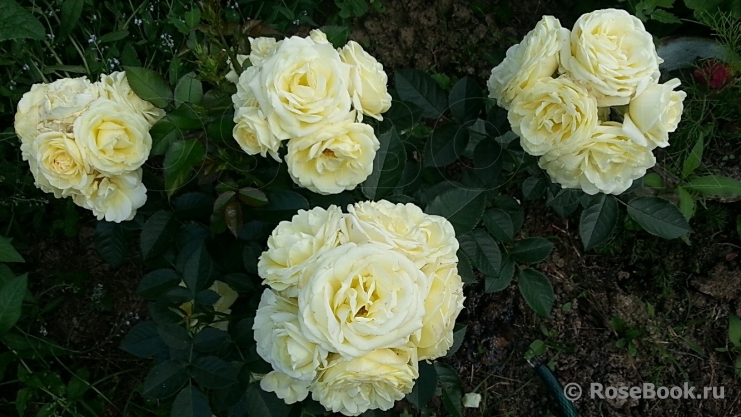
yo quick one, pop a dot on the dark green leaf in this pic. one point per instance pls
(180, 159)
(157, 234)
(512, 207)
(531, 250)
(8, 253)
(254, 197)
(499, 224)
(487, 162)
(533, 188)
(188, 90)
(466, 100)
(687, 203)
(459, 333)
(190, 402)
(424, 387)
(165, 379)
(734, 330)
(192, 17)
(156, 282)
(207, 297)
(482, 250)
(388, 166)
(11, 301)
(174, 336)
(446, 144)
(499, 282)
(143, 340)
(71, 12)
(661, 15)
(177, 295)
(194, 205)
(283, 205)
(418, 88)
(212, 372)
(198, 269)
(336, 35)
(164, 133)
(598, 220)
(658, 217)
(464, 268)
(264, 404)
(149, 85)
(537, 291)
(694, 158)
(714, 185)
(451, 389)
(462, 207)
(114, 36)
(111, 243)
(18, 23)
(78, 384)
(210, 339)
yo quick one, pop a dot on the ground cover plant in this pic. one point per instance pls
(228, 214)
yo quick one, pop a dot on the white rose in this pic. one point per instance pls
(61, 161)
(65, 100)
(318, 36)
(28, 117)
(115, 86)
(232, 74)
(302, 87)
(423, 238)
(533, 59)
(40, 180)
(280, 340)
(443, 303)
(554, 113)
(367, 81)
(253, 134)
(293, 246)
(114, 139)
(370, 382)
(262, 49)
(358, 298)
(607, 162)
(654, 113)
(114, 198)
(288, 389)
(244, 97)
(336, 158)
(612, 52)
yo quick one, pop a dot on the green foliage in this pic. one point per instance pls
(18, 23)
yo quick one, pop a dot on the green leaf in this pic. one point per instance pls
(483, 251)
(537, 291)
(188, 90)
(598, 220)
(734, 330)
(738, 225)
(687, 203)
(157, 282)
(499, 282)
(194, 205)
(163, 133)
(462, 207)
(190, 402)
(8, 253)
(143, 340)
(22, 398)
(653, 180)
(336, 35)
(499, 224)
(71, 12)
(464, 268)
(531, 250)
(694, 158)
(192, 17)
(157, 233)
(658, 217)
(149, 85)
(180, 159)
(446, 144)
(210, 339)
(283, 205)
(18, 23)
(424, 387)
(533, 188)
(661, 15)
(264, 404)
(212, 372)
(459, 333)
(198, 269)
(466, 100)
(513, 208)
(714, 185)
(11, 301)
(253, 197)
(451, 389)
(111, 243)
(114, 36)
(418, 88)
(174, 336)
(388, 166)
(487, 161)
(165, 379)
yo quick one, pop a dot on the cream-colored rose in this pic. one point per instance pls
(302, 87)
(244, 97)
(232, 74)
(358, 298)
(28, 116)
(65, 101)
(115, 86)
(280, 340)
(262, 49)
(318, 36)
(40, 180)
(61, 161)
(253, 134)
(607, 162)
(367, 81)
(227, 297)
(612, 52)
(443, 303)
(114, 139)
(654, 113)
(288, 389)
(421, 237)
(294, 245)
(337, 158)
(554, 113)
(115, 198)
(533, 59)
(373, 381)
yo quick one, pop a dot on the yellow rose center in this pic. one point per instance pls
(111, 136)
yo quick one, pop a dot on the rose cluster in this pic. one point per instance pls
(305, 91)
(588, 101)
(355, 300)
(88, 141)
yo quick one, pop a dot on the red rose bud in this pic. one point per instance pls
(714, 74)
